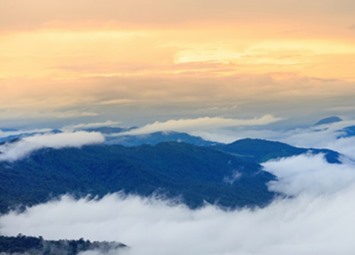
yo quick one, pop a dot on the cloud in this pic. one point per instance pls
(317, 220)
(98, 252)
(27, 145)
(324, 136)
(309, 174)
(345, 146)
(157, 96)
(108, 123)
(306, 225)
(117, 102)
(189, 125)
(236, 175)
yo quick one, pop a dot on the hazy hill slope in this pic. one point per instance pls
(158, 137)
(328, 120)
(258, 150)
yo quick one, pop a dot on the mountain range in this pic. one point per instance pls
(156, 138)
(229, 175)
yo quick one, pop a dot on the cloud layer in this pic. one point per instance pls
(317, 220)
(27, 145)
(310, 174)
(15, 132)
(198, 124)
(108, 123)
(323, 136)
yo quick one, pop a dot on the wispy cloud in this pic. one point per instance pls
(27, 145)
(190, 125)
(324, 136)
(309, 174)
(23, 132)
(108, 123)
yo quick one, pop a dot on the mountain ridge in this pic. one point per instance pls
(261, 150)
(196, 174)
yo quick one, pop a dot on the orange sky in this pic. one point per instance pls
(86, 58)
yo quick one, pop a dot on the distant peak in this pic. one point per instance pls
(328, 120)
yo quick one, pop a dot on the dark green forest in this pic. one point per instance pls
(38, 246)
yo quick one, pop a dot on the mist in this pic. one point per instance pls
(312, 215)
(203, 123)
(310, 174)
(25, 146)
(327, 136)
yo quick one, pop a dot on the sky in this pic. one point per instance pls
(139, 61)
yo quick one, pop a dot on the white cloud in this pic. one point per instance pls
(236, 175)
(318, 220)
(345, 146)
(97, 252)
(27, 145)
(108, 123)
(205, 123)
(306, 225)
(309, 174)
(324, 136)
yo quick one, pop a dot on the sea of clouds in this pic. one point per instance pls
(313, 215)
(316, 219)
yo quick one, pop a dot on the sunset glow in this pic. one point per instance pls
(82, 55)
